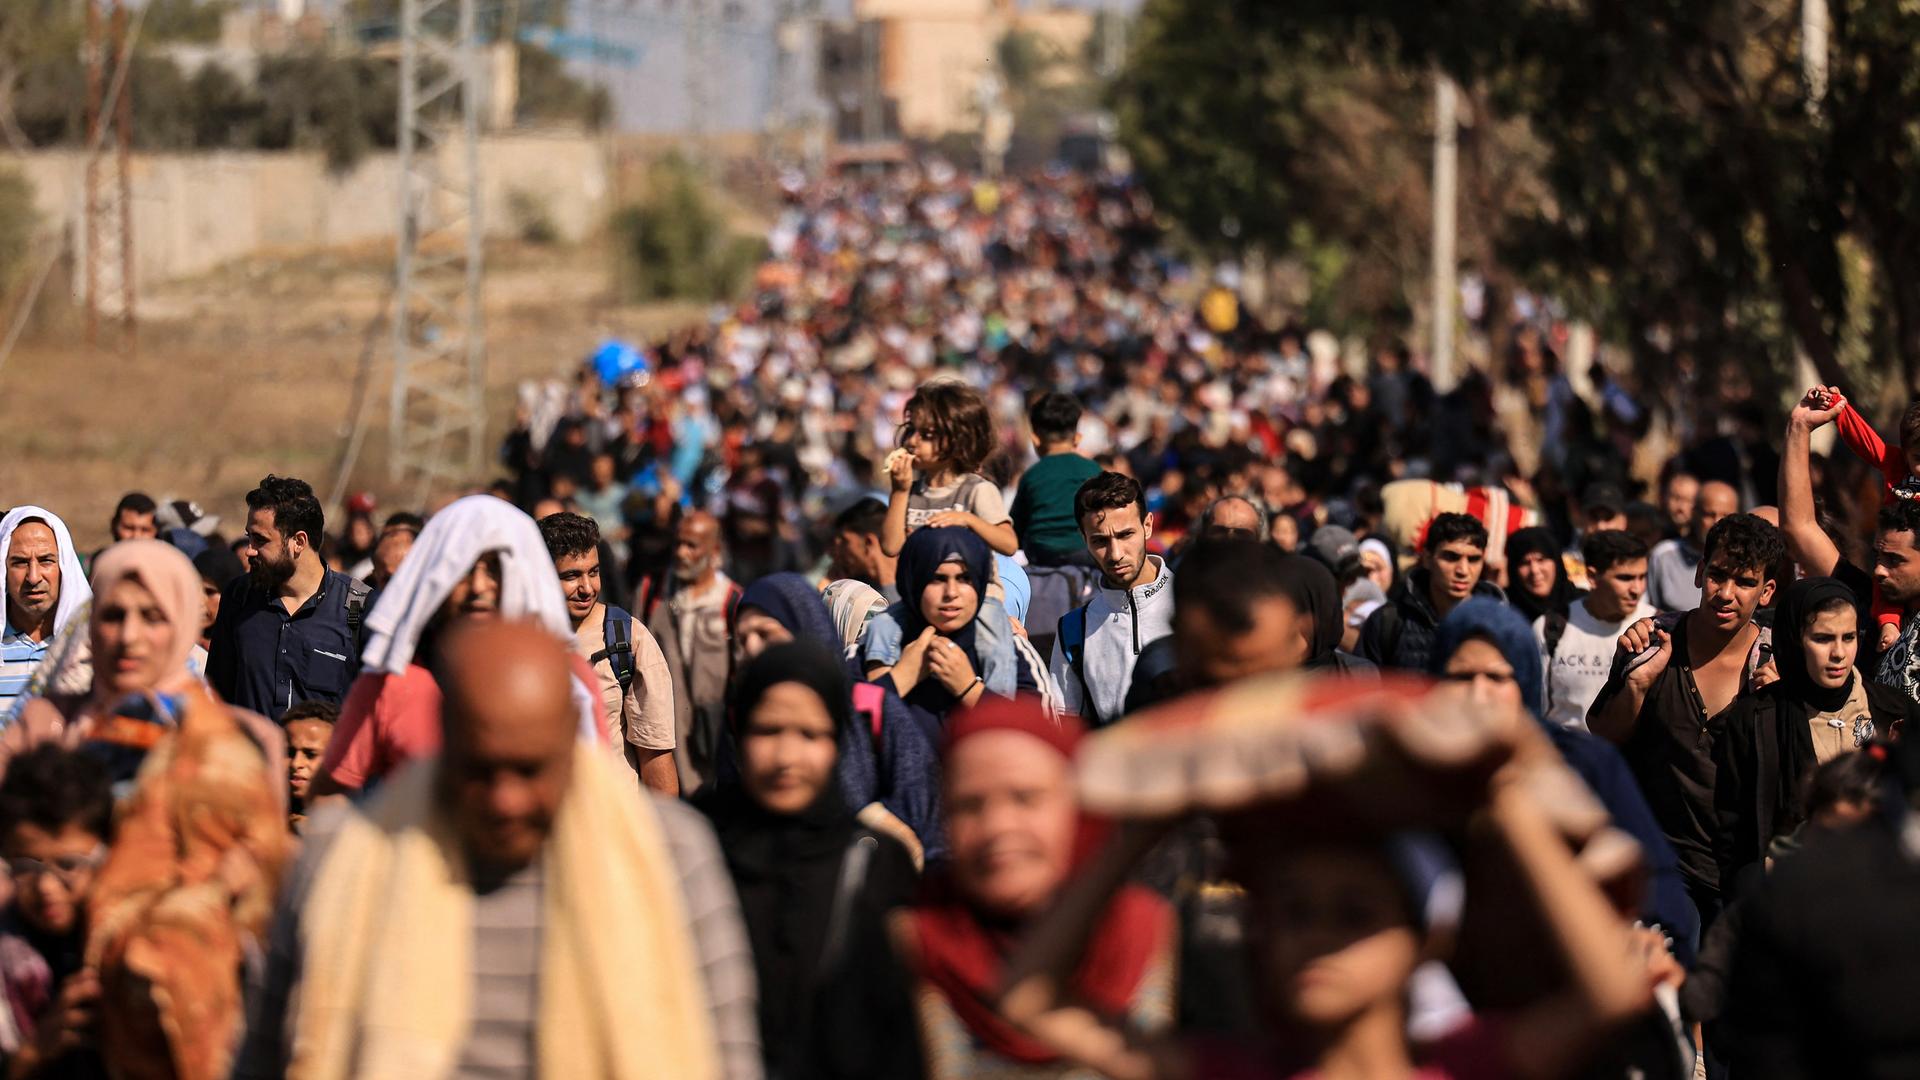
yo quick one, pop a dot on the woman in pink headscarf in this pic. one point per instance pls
(201, 838)
(145, 623)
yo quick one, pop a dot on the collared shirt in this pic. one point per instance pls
(259, 657)
(20, 657)
(1671, 748)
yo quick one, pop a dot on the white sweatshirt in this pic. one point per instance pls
(1119, 624)
(1578, 668)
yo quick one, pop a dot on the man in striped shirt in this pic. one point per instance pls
(36, 566)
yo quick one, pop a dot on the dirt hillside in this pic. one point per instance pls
(251, 370)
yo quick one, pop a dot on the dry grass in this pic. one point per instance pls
(250, 370)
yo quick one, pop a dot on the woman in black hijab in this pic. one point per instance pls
(814, 885)
(1316, 595)
(1820, 708)
(1536, 576)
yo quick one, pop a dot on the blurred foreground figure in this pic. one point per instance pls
(189, 883)
(507, 907)
(1825, 980)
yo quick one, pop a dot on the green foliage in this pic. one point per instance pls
(548, 94)
(532, 218)
(17, 224)
(1025, 59)
(1672, 181)
(1301, 146)
(675, 243)
(342, 106)
(184, 20)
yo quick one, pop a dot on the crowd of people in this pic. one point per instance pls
(988, 653)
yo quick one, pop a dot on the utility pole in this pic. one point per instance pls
(1813, 53)
(109, 203)
(1446, 153)
(438, 415)
(872, 120)
(698, 45)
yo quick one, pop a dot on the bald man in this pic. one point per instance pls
(693, 622)
(1233, 517)
(1672, 564)
(510, 769)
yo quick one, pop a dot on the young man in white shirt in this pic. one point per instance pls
(1098, 644)
(1578, 649)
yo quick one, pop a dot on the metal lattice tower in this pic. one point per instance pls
(109, 202)
(438, 420)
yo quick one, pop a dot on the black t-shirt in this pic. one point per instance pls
(1671, 755)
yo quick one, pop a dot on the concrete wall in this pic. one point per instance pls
(193, 212)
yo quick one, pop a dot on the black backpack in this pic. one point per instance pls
(619, 651)
(357, 593)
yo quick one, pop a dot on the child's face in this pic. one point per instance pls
(924, 446)
(1913, 460)
(306, 745)
(1335, 938)
(52, 874)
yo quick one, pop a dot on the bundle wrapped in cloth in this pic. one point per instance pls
(1304, 758)
(1410, 505)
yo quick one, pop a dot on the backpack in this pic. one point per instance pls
(646, 601)
(1072, 639)
(357, 593)
(618, 654)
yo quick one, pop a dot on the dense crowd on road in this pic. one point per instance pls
(991, 651)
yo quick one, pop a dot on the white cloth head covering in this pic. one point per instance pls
(74, 590)
(443, 554)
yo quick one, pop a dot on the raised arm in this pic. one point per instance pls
(1641, 655)
(1034, 996)
(1866, 442)
(1608, 984)
(893, 530)
(1807, 543)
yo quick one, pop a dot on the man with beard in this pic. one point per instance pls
(1099, 643)
(290, 631)
(693, 623)
(46, 589)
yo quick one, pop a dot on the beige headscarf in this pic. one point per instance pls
(387, 990)
(169, 575)
(853, 604)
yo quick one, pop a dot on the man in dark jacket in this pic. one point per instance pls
(1454, 552)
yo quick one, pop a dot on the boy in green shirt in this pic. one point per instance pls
(1043, 509)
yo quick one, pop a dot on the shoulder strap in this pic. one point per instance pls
(357, 593)
(615, 627)
(643, 598)
(853, 877)
(732, 605)
(1554, 629)
(871, 700)
(1073, 638)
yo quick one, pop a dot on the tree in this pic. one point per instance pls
(1695, 202)
(1311, 144)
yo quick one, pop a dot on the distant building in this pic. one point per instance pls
(934, 55)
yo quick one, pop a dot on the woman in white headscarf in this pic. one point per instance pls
(479, 558)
